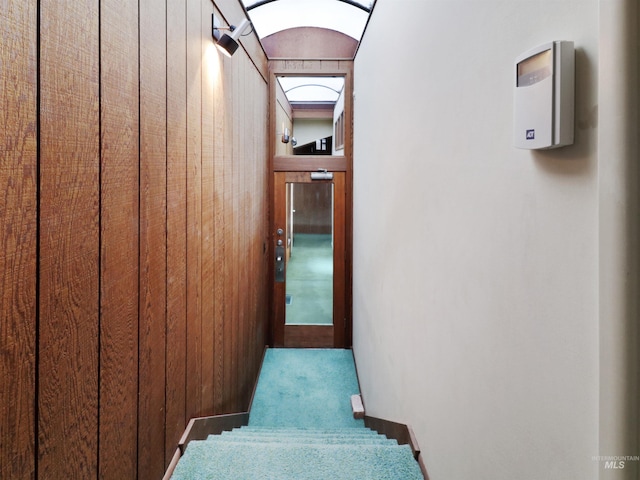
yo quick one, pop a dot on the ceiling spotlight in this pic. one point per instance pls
(228, 43)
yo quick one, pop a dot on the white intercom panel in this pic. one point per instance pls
(544, 96)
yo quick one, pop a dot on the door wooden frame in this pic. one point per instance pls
(316, 336)
(342, 336)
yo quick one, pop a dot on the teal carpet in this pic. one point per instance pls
(309, 388)
(301, 428)
(310, 280)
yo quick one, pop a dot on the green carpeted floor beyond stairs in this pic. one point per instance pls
(301, 428)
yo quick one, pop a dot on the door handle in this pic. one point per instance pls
(279, 268)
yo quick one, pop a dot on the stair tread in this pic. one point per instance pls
(294, 441)
(285, 439)
(206, 444)
(305, 433)
(225, 460)
(354, 430)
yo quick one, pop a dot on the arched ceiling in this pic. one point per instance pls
(346, 16)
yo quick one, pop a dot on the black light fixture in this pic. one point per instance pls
(227, 44)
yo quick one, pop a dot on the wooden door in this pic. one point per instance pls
(309, 260)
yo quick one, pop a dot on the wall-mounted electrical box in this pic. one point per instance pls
(544, 96)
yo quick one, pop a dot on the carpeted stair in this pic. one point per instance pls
(291, 436)
(261, 453)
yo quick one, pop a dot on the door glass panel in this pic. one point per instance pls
(309, 254)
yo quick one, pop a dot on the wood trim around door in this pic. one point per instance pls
(316, 336)
(314, 67)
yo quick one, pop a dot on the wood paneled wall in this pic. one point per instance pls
(313, 205)
(133, 228)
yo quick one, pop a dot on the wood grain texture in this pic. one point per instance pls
(219, 254)
(105, 274)
(305, 163)
(252, 248)
(259, 225)
(153, 241)
(226, 205)
(194, 209)
(209, 64)
(309, 336)
(240, 166)
(18, 232)
(233, 207)
(119, 245)
(201, 427)
(255, 229)
(263, 182)
(69, 241)
(339, 262)
(313, 208)
(244, 254)
(176, 225)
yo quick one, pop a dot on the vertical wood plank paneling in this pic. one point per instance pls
(209, 57)
(266, 210)
(176, 224)
(153, 270)
(255, 231)
(119, 239)
(194, 221)
(151, 201)
(248, 286)
(238, 258)
(260, 185)
(18, 206)
(219, 119)
(244, 362)
(263, 208)
(261, 212)
(69, 241)
(235, 208)
(229, 235)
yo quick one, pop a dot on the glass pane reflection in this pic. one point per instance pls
(309, 256)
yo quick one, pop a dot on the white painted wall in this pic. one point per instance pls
(477, 276)
(618, 182)
(307, 130)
